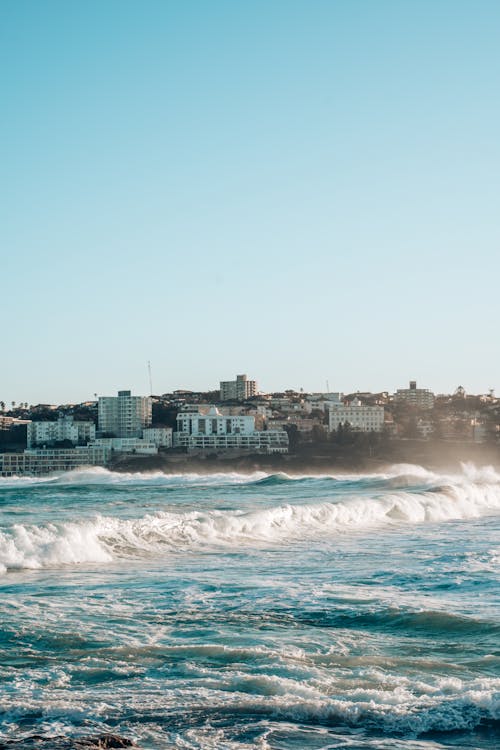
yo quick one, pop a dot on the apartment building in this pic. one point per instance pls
(37, 462)
(124, 415)
(159, 436)
(206, 428)
(65, 428)
(359, 417)
(238, 390)
(208, 420)
(420, 398)
(126, 445)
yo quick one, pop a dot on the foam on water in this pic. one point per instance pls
(104, 538)
(252, 610)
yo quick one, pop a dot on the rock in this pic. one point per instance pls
(99, 742)
(103, 742)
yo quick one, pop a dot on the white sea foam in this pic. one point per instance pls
(98, 475)
(473, 494)
(392, 704)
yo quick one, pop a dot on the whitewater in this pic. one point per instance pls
(247, 611)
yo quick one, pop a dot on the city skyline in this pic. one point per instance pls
(141, 394)
(300, 191)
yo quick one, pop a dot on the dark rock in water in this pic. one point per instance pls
(104, 742)
(99, 742)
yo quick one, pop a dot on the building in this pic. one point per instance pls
(65, 428)
(159, 436)
(124, 415)
(126, 445)
(324, 400)
(360, 418)
(7, 423)
(210, 421)
(38, 462)
(238, 390)
(206, 429)
(270, 441)
(420, 398)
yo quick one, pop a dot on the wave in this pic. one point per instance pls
(399, 618)
(398, 712)
(382, 703)
(98, 475)
(103, 538)
(400, 474)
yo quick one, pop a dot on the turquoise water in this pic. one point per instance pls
(252, 611)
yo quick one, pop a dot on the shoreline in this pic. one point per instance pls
(429, 455)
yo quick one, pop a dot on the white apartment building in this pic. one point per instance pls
(126, 445)
(210, 421)
(159, 436)
(270, 441)
(65, 428)
(208, 429)
(360, 418)
(239, 389)
(47, 460)
(420, 398)
(124, 415)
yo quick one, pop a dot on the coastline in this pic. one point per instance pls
(431, 455)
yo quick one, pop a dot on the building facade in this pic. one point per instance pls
(65, 428)
(127, 445)
(210, 421)
(124, 415)
(360, 418)
(270, 441)
(238, 390)
(37, 462)
(420, 398)
(159, 436)
(208, 429)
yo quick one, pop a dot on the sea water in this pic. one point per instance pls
(252, 611)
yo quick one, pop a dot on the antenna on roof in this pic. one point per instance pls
(150, 379)
(327, 387)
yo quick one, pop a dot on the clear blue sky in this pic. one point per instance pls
(298, 190)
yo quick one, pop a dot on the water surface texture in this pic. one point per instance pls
(252, 611)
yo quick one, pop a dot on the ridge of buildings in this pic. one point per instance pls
(242, 421)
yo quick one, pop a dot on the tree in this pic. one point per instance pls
(293, 435)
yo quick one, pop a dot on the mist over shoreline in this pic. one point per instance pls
(429, 454)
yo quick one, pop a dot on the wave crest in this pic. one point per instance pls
(103, 538)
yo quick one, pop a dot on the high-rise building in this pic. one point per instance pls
(238, 390)
(124, 415)
(421, 398)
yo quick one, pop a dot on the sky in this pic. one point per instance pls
(300, 190)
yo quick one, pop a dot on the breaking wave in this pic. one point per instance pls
(405, 473)
(104, 538)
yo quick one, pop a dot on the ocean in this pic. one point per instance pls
(232, 611)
